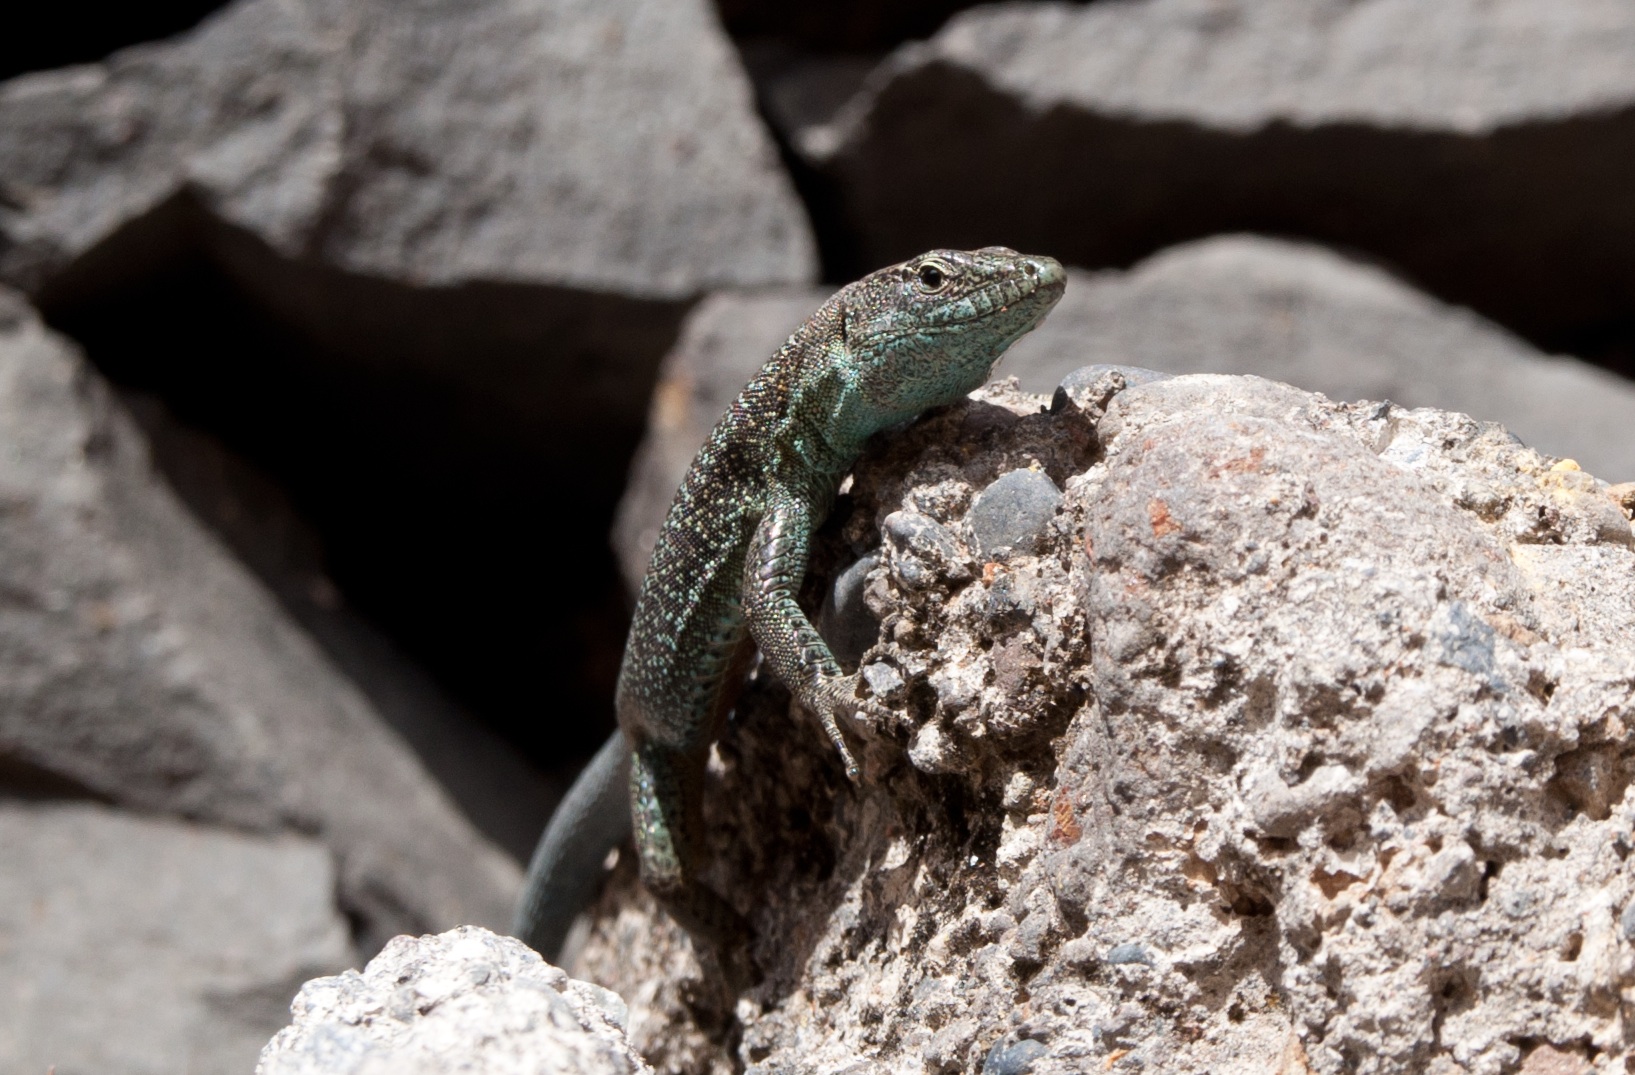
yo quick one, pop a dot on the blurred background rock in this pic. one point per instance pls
(332, 328)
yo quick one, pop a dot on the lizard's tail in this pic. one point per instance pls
(592, 819)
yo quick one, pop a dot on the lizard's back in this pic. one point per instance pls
(688, 625)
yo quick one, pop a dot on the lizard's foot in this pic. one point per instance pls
(837, 695)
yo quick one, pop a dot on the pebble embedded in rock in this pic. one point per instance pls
(1013, 511)
(1129, 952)
(846, 622)
(923, 550)
(883, 679)
(929, 752)
(1014, 1058)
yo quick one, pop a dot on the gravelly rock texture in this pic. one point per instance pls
(147, 946)
(141, 665)
(1297, 742)
(1293, 312)
(462, 1001)
(1473, 143)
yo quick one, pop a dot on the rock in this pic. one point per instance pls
(461, 1001)
(1298, 756)
(1015, 1058)
(1012, 512)
(142, 665)
(849, 26)
(845, 621)
(532, 141)
(134, 945)
(507, 798)
(1103, 132)
(1304, 315)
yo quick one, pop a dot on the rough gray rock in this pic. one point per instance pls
(462, 1001)
(1307, 316)
(593, 146)
(507, 798)
(1299, 744)
(140, 664)
(1229, 304)
(1473, 143)
(141, 946)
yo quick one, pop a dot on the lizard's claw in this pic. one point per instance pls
(837, 695)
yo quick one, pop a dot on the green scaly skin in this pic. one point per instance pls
(732, 554)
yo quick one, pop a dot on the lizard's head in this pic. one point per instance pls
(928, 331)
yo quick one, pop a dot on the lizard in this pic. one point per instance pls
(732, 554)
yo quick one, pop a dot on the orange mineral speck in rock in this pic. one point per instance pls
(1246, 464)
(1162, 522)
(1064, 827)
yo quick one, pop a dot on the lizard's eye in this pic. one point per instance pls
(932, 278)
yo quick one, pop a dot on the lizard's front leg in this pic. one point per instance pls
(773, 572)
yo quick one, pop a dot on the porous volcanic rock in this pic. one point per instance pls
(1296, 740)
(143, 946)
(462, 1001)
(1478, 145)
(142, 665)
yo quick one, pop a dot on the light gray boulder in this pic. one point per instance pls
(142, 665)
(144, 946)
(1297, 740)
(550, 142)
(462, 1001)
(1308, 316)
(1471, 143)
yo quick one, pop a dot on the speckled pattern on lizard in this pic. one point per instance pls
(732, 553)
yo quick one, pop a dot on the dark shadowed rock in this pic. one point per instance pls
(493, 785)
(1477, 145)
(142, 665)
(140, 946)
(409, 257)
